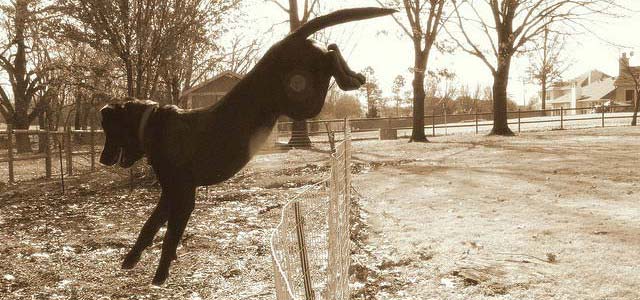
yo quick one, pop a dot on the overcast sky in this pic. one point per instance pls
(380, 44)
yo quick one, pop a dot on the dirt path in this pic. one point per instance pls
(547, 215)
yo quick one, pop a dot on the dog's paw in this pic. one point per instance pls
(160, 277)
(130, 260)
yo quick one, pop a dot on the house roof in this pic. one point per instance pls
(582, 80)
(208, 81)
(597, 90)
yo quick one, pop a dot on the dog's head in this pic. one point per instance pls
(304, 68)
(121, 124)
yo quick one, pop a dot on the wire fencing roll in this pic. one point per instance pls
(310, 247)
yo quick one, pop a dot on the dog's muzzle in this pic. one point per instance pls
(111, 155)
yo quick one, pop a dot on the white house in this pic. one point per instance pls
(594, 89)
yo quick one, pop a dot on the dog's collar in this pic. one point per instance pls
(143, 122)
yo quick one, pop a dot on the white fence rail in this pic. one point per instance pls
(310, 246)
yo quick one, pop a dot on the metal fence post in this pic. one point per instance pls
(518, 119)
(10, 151)
(68, 151)
(47, 150)
(561, 117)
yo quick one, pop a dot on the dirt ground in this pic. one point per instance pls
(544, 215)
(70, 246)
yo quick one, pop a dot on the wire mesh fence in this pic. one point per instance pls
(310, 246)
(56, 152)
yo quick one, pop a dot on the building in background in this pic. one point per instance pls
(595, 90)
(210, 91)
(625, 85)
(589, 90)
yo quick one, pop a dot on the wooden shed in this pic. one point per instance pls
(211, 90)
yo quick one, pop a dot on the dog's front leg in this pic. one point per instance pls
(181, 204)
(148, 232)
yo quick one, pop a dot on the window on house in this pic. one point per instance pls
(629, 95)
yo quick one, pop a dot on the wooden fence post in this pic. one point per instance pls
(444, 113)
(69, 151)
(47, 150)
(302, 248)
(518, 119)
(433, 123)
(476, 121)
(561, 117)
(602, 108)
(10, 151)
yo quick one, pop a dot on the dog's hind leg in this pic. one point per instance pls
(147, 233)
(180, 206)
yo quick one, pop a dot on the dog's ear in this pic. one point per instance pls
(111, 111)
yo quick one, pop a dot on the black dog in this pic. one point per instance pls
(191, 148)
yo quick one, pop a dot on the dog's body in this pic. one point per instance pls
(191, 148)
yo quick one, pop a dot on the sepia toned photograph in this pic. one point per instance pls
(319, 149)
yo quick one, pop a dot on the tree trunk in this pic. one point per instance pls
(23, 143)
(129, 70)
(500, 83)
(21, 122)
(42, 145)
(299, 135)
(417, 133)
(78, 115)
(21, 117)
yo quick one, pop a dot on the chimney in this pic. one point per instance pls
(624, 64)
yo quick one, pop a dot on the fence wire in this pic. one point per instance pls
(310, 246)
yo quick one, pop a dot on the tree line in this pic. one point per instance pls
(63, 59)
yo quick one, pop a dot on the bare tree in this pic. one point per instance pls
(506, 27)
(446, 88)
(16, 60)
(548, 63)
(396, 88)
(372, 93)
(423, 22)
(153, 39)
(297, 17)
(242, 55)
